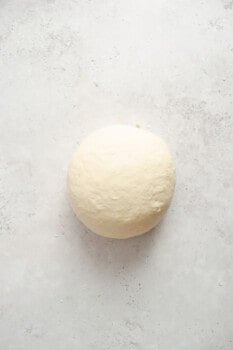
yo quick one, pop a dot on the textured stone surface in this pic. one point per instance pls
(69, 67)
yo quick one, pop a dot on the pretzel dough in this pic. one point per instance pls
(120, 181)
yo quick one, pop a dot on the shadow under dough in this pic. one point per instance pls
(112, 252)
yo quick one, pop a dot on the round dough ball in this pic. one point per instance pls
(120, 181)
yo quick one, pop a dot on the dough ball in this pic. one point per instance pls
(120, 181)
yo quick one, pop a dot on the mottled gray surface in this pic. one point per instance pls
(69, 67)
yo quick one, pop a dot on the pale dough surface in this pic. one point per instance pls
(120, 181)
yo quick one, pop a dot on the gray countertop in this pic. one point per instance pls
(67, 68)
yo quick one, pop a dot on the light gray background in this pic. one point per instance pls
(69, 67)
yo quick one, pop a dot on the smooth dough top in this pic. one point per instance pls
(120, 181)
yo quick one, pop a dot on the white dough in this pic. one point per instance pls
(120, 181)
